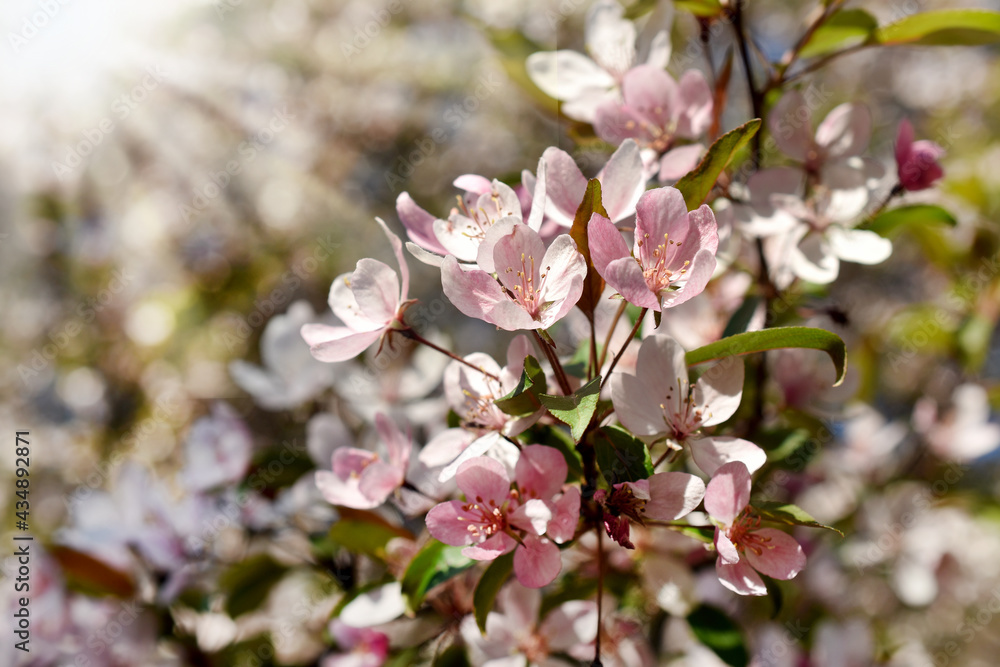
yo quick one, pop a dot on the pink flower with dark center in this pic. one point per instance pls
(519, 283)
(659, 402)
(370, 302)
(495, 519)
(666, 496)
(673, 256)
(744, 547)
(916, 161)
(657, 111)
(362, 479)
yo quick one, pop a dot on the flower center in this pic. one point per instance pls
(655, 263)
(486, 518)
(527, 285)
(688, 419)
(742, 534)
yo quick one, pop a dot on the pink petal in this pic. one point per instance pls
(660, 213)
(616, 123)
(567, 75)
(845, 131)
(376, 289)
(334, 344)
(781, 556)
(695, 104)
(562, 527)
(652, 91)
(728, 492)
(473, 183)
(491, 548)
(672, 495)
(625, 276)
(570, 625)
(790, 126)
(444, 447)
(740, 578)
(419, 224)
(533, 516)
(474, 450)
(397, 250)
(622, 181)
(719, 390)
(710, 454)
(904, 141)
(379, 480)
(540, 472)
(699, 272)
(606, 243)
(448, 522)
(336, 492)
(679, 161)
(483, 479)
(536, 562)
(350, 461)
(727, 550)
(564, 268)
(636, 405)
(398, 445)
(565, 186)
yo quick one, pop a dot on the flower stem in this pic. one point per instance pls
(594, 368)
(635, 330)
(553, 358)
(611, 332)
(896, 191)
(413, 335)
(600, 585)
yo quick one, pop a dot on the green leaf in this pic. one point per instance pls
(453, 656)
(702, 8)
(523, 399)
(577, 409)
(773, 339)
(593, 284)
(781, 443)
(916, 214)
(791, 515)
(435, 564)
(362, 537)
(704, 534)
(89, 575)
(844, 29)
(489, 585)
(621, 456)
(947, 27)
(247, 583)
(718, 632)
(696, 185)
(740, 320)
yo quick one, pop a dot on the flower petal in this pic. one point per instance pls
(712, 453)
(622, 181)
(334, 344)
(532, 517)
(570, 625)
(562, 527)
(673, 495)
(483, 480)
(845, 131)
(790, 127)
(540, 472)
(862, 246)
(780, 555)
(728, 492)
(567, 75)
(492, 547)
(565, 186)
(719, 390)
(404, 270)
(376, 289)
(740, 578)
(478, 295)
(419, 224)
(448, 522)
(536, 562)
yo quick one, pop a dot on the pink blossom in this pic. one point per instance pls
(368, 301)
(495, 519)
(844, 133)
(514, 634)
(362, 479)
(659, 272)
(519, 284)
(483, 204)
(360, 647)
(659, 402)
(916, 161)
(665, 496)
(657, 111)
(583, 83)
(483, 426)
(742, 544)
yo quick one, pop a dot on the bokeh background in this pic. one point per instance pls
(174, 174)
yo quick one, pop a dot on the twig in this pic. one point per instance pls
(614, 362)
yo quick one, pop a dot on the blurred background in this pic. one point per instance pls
(172, 175)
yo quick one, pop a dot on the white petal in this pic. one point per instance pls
(858, 245)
